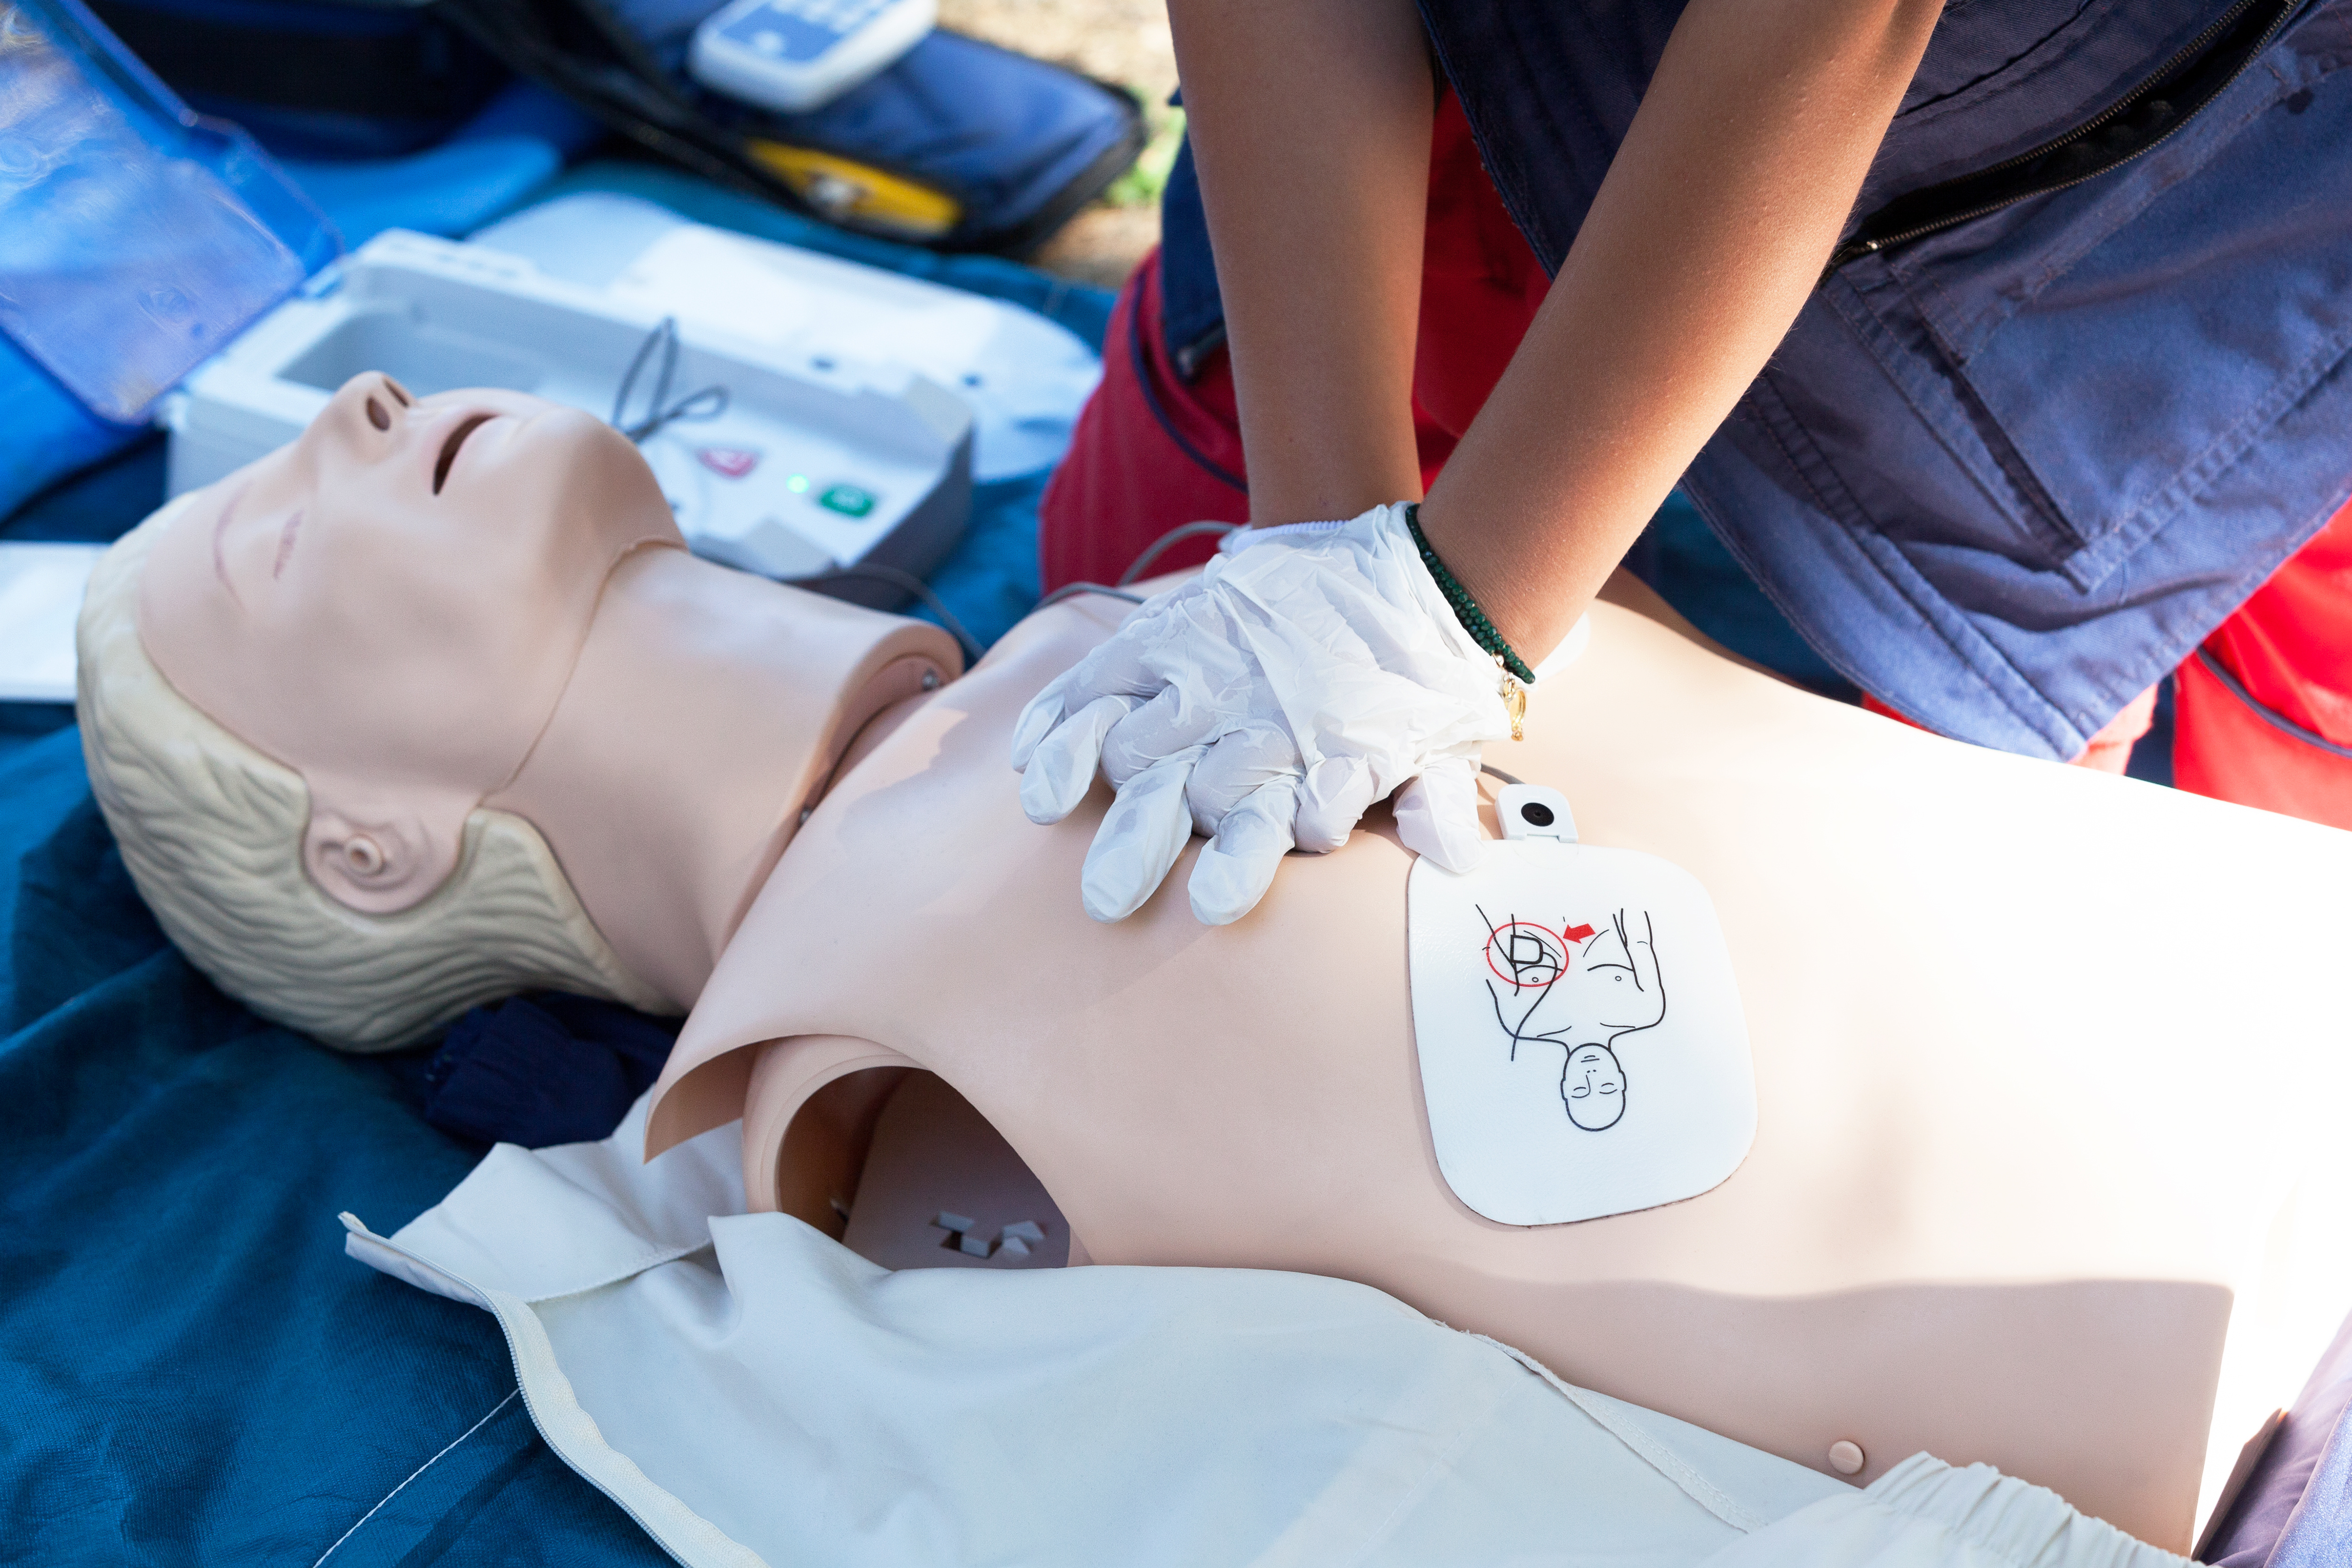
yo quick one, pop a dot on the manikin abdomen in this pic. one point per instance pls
(2044, 1063)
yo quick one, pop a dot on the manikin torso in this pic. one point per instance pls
(2048, 1065)
(2043, 1061)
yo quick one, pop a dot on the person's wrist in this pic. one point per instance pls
(1241, 538)
(1473, 619)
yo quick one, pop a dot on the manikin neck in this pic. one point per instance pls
(706, 714)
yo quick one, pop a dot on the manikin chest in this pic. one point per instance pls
(1997, 1204)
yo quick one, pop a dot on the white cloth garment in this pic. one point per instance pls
(1924, 1511)
(753, 1393)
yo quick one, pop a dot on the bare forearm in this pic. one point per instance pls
(1702, 244)
(1310, 119)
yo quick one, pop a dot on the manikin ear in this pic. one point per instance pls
(381, 851)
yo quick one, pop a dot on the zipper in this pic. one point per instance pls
(2133, 126)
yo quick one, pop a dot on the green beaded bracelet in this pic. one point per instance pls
(1465, 608)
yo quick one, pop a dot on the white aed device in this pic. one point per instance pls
(1583, 1051)
(792, 55)
(792, 455)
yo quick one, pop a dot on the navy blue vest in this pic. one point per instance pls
(2007, 469)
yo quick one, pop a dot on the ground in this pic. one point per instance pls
(1124, 42)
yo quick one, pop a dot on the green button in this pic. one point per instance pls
(846, 500)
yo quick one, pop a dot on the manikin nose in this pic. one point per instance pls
(380, 400)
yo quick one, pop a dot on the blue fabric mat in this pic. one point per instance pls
(193, 1372)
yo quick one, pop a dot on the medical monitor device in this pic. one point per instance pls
(815, 462)
(794, 56)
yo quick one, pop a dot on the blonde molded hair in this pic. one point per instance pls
(212, 832)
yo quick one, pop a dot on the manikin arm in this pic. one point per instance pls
(1311, 122)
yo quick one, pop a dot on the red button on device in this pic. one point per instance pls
(734, 462)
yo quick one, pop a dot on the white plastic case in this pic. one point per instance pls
(820, 461)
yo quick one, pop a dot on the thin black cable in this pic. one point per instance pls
(908, 581)
(1214, 470)
(1491, 768)
(707, 404)
(1151, 552)
(1070, 590)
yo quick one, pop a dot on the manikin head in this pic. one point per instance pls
(391, 605)
(1593, 1085)
(299, 684)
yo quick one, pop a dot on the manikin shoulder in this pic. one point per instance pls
(919, 896)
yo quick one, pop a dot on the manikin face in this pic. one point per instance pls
(1594, 1086)
(392, 605)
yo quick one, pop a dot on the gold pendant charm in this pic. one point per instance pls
(1515, 703)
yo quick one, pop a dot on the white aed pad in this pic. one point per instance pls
(1582, 1047)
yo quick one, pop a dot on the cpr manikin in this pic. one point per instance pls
(397, 660)
(2043, 1151)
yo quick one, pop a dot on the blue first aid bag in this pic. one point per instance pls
(135, 238)
(959, 144)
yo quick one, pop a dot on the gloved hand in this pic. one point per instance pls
(1269, 702)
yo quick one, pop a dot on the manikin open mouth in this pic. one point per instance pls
(449, 447)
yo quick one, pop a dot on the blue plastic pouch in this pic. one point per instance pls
(135, 238)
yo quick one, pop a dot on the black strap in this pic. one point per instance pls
(407, 68)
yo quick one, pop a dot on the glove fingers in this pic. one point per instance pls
(1237, 766)
(1148, 826)
(1062, 766)
(1116, 669)
(1437, 814)
(1172, 721)
(1037, 719)
(1238, 865)
(1337, 793)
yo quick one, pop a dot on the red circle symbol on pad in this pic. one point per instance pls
(1523, 954)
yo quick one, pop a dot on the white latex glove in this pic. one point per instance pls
(1268, 704)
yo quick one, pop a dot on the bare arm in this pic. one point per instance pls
(1310, 119)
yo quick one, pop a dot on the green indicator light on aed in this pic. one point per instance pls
(797, 483)
(846, 500)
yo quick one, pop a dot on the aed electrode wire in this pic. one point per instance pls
(1183, 530)
(1071, 590)
(707, 404)
(1151, 552)
(876, 572)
